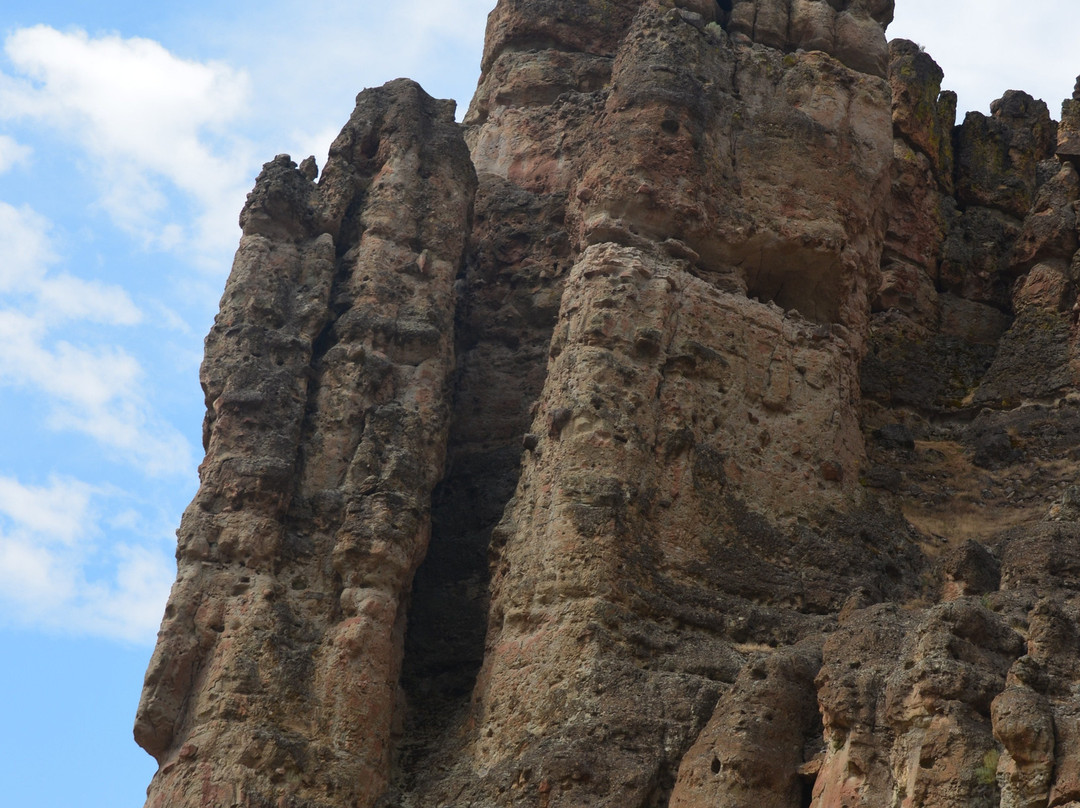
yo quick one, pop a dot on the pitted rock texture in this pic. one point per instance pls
(850, 31)
(696, 424)
(326, 376)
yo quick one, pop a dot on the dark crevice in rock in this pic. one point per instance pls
(812, 289)
(723, 15)
(692, 520)
(444, 642)
(499, 370)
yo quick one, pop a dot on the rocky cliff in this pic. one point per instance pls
(694, 425)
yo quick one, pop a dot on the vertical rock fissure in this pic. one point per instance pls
(657, 547)
(500, 365)
(444, 641)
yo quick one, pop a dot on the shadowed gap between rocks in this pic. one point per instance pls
(500, 372)
(444, 642)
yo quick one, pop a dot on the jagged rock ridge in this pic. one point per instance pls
(695, 425)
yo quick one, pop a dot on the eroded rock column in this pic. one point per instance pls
(275, 677)
(726, 219)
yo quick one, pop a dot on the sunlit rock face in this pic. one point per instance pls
(327, 378)
(693, 425)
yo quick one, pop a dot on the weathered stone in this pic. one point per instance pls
(1041, 558)
(1038, 338)
(1068, 137)
(851, 32)
(895, 436)
(700, 386)
(913, 729)
(994, 449)
(938, 369)
(753, 747)
(1049, 230)
(919, 212)
(1023, 725)
(326, 377)
(657, 447)
(923, 116)
(997, 156)
(970, 569)
(975, 257)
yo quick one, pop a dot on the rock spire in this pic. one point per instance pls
(695, 424)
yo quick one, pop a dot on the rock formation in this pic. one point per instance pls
(694, 425)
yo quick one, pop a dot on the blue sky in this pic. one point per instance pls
(129, 135)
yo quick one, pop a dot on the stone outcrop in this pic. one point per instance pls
(694, 425)
(327, 378)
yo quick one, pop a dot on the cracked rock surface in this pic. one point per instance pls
(696, 424)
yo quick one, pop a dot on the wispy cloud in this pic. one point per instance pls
(66, 297)
(54, 298)
(151, 123)
(27, 251)
(96, 389)
(61, 571)
(299, 104)
(57, 511)
(12, 153)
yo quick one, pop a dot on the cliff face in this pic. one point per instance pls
(327, 378)
(695, 425)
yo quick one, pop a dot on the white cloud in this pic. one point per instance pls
(58, 511)
(96, 390)
(12, 153)
(27, 252)
(69, 298)
(150, 122)
(53, 298)
(55, 575)
(30, 577)
(131, 604)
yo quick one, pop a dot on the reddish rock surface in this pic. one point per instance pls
(326, 378)
(695, 425)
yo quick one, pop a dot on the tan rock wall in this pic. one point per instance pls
(707, 437)
(326, 378)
